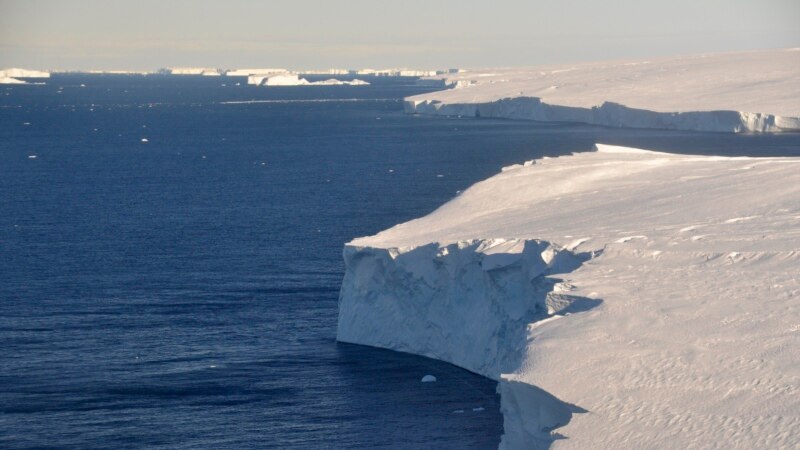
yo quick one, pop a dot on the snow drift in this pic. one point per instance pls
(732, 92)
(622, 298)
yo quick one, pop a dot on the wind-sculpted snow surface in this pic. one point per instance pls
(733, 92)
(635, 300)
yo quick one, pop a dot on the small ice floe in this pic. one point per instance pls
(458, 411)
(83, 85)
(26, 123)
(145, 140)
(204, 156)
(478, 409)
(32, 156)
(439, 176)
(391, 170)
(428, 379)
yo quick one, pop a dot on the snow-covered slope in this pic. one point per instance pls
(624, 298)
(732, 92)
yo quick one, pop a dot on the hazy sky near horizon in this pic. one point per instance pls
(148, 34)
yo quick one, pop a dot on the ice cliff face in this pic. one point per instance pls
(637, 300)
(733, 92)
(409, 299)
(610, 115)
(469, 303)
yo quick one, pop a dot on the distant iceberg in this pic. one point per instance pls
(9, 80)
(335, 82)
(290, 79)
(205, 71)
(13, 75)
(248, 72)
(23, 73)
(753, 91)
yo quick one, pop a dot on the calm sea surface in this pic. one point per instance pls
(182, 292)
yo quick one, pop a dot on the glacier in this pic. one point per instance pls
(754, 91)
(622, 298)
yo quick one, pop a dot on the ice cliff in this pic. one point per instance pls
(733, 92)
(493, 287)
(622, 298)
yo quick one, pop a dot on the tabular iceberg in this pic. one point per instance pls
(733, 92)
(291, 79)
(12, 76)
(622, 298)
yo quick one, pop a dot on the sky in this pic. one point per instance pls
(425, 34)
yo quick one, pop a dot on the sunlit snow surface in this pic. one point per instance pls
(663, 312)
(730, 92)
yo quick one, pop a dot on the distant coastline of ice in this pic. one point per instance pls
(730, 92)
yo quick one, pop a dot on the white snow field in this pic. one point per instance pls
(753, 91)
(623, 298)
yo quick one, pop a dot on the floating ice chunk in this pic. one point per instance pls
(428, 379)
(478, 409)
(145, 140)
(458, 411)
(32, 156)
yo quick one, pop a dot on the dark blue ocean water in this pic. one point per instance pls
(182, 293)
